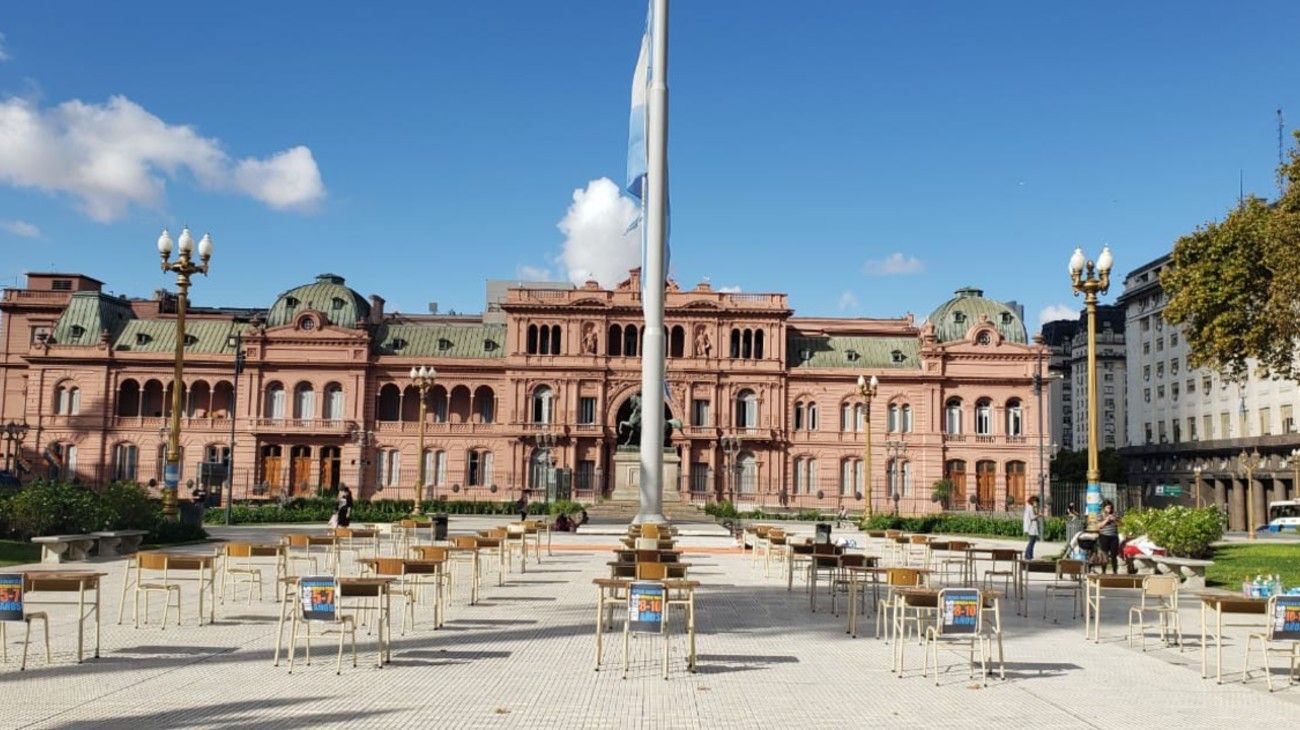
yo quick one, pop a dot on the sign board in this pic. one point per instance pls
(319, 597)
(1169, 490)
(212, 473)
(645, 607)
(171, 475)
(11, 596)
(1286, 618)
(960, 610)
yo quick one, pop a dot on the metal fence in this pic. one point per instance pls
(1125, 496)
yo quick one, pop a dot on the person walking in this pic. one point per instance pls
(343, 516)
(522, 506)
(1108, 535)
(1032, 524)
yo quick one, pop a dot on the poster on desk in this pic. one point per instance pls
(319, 597)
(1285, 618)
(11, 596)
(960, 610)
(645, 607)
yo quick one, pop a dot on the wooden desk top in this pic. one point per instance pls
(1111, 580)
(672, 583)
(185, 561)
(1228, 602)
(61, 580)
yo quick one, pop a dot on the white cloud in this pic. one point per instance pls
(729, 289)
(894, 263)
(524, 272)
(1053, 312)
(115, 155)
(597, 242)
(21, 228)
(848, 301)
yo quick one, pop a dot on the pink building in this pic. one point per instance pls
(528, 394)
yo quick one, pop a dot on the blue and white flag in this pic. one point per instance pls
(636, 127)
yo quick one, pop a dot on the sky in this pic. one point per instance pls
(867, 158)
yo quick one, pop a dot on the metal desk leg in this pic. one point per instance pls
(600, 628)
(690, 626)
(81, 617)
(1204, 673)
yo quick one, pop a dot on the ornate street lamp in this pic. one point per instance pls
(184, 267)
(14, 434)
(422, 377)
(1095, 281)
(867, 389)
(1197, 471)
(235, 342)
(1247, 463)
(1295, 478)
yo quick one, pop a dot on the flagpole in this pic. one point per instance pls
(653, 277)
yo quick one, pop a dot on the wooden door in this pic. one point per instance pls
(299, 470)
(271, 472)
(329, 467)
(1016, 483)
(986, 483)
(957, 475)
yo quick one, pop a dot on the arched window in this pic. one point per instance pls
(128, 398)
(434, 464)
(748, 467)
(850, 477)
(389, 407)
(983, 417)
(746, 409)
(304, 401)
(67, 400)
(556, 337)
(437, 407)
(906, 426)
(1015, 483)
(486, 404)
(859, 417)
(846, 417)
(198, 400)
(747, 344)
(390, 468)
(677, 342)
(812, 416)
(798, 416)
(615, 341)
(735, 343)
(906, 471)
(539, 470)
(758, 344)
(126, 462)
(532, 340)
(223, 399)
(952, 416)
(333, 402)
(151, 402)
(891, 423)
(478, 468)
(64, 466)
(630, 338)
(274, 405)
(1015, 418)
(543, 400)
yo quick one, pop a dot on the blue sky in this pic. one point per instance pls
(419, 149)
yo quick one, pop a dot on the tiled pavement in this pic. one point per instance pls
(523, 658)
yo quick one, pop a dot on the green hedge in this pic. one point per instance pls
(1185, 532)
(55, 508)
(380, 510)
(959, 524)
(727, 511)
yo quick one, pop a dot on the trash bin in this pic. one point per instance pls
(191, 513)
(823, 533)
(440, 526)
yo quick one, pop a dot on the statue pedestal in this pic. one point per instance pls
(627, 476)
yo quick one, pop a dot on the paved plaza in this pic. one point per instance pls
(523, 658)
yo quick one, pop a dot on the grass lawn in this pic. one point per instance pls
(1236, 563)
(15, 553)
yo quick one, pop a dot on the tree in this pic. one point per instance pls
(1234, 286)
(1071, 467)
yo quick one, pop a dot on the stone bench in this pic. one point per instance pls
(116, 543)
(1191, 570)
(62, 548)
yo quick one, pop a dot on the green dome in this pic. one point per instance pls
(328, 295)
(954, 318)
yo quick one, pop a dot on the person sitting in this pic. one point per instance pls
(563, 523)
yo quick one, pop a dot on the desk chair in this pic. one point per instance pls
(1159, 596)
(1278, 610)
(1069, 581)
(1004, 567)
(237, 567)
(895, 578)
(333, 621)
(155, 563)
(942, 630)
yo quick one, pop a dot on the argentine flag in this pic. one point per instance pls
(637, 152)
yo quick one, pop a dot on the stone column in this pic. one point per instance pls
(1237, 505)
(1261, 502)
(1220, 494)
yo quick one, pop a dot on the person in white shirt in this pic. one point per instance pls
(1032, 523)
